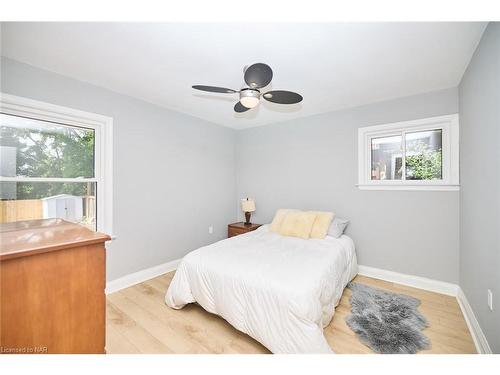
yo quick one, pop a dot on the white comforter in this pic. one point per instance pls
(279, 290)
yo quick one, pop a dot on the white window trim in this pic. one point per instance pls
(450, 146)
(103, 127)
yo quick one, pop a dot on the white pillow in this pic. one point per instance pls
(337, 227)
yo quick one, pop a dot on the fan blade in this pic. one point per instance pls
(282, 97)
(238, 107)
(214, 89)
(258, 75)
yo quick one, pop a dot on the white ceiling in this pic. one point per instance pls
(333, 66)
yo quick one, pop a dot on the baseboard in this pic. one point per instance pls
(478, 336)
(442, 287)
(410, 280)
(140, 276)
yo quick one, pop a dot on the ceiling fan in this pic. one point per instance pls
(256, 77)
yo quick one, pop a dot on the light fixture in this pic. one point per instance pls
(248, 206)
(249, 98)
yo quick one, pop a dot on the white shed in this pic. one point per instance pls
(63, 206)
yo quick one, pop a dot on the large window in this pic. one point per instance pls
(411, 155)
(53, 164)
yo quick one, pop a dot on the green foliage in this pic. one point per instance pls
(426, 164)
(64, 152)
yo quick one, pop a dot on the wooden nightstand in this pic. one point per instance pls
(240, 228)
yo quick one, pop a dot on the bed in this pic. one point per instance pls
(282, 291)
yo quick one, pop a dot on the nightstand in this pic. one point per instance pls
(240, 228)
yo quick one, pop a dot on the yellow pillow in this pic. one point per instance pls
(321, 224)
(298, 224)
(278, 219)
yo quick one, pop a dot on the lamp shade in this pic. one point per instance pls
(248, 205)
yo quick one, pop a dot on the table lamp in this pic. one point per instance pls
(247, 206)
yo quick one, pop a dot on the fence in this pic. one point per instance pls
(32, 209)
(29, 209)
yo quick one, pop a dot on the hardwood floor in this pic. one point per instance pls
(138, 321)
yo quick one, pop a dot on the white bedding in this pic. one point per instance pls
(279, 290)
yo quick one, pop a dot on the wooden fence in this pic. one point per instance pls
(29, 209)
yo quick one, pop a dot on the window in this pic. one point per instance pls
(55, 162)
(410, 155)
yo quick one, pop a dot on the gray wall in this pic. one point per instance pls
(167, 164)
(173, 174)
(480, 180)
(311, 163)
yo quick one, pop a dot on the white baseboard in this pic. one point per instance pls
(442, 287)
(410, 280)
(140, 276)
(478, 336)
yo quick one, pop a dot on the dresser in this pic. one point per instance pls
(52, 281)
(235, 229)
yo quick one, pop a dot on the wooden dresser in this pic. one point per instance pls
(52, 280)
(235, 229)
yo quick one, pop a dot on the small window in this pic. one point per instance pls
(411, 155)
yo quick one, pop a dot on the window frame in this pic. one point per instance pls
(449, 126)
(103, 148)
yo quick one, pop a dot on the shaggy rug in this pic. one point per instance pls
(386, 322)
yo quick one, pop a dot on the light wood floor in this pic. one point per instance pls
(138, 321)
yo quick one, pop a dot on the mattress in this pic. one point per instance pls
(282, 291)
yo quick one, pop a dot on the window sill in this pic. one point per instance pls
(408, 187)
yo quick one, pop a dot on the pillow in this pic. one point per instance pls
(298, 224)
(337, 227)
(278, 219)
(321, 224)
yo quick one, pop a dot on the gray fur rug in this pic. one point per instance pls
(386, 322)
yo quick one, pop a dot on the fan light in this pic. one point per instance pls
(249, 101)
(249, 98)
